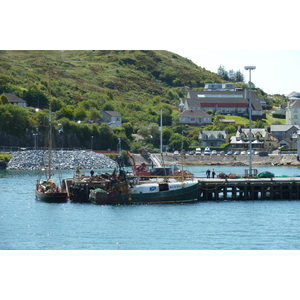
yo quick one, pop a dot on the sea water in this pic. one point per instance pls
(27, 224)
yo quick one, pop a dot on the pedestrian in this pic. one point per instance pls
(213, 173)
(208, 173)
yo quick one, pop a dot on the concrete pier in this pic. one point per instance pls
(249, 189)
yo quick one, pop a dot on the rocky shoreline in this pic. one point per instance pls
(70, 160)
(61, 159)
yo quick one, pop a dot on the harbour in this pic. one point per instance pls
(27, 224)
(220, 188)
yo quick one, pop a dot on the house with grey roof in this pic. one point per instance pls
(224, 102)
(293, 96)
(194, 117)
(112, 118)
(14, 99)
(286, 135)
(261, 139)
(212, 138)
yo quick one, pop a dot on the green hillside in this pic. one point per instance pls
(79, 84)
(123, 80)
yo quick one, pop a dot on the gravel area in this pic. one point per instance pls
(61, 159)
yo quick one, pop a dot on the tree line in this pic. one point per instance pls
(231, 75)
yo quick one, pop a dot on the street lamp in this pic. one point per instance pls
(250, 68)
(92, 142)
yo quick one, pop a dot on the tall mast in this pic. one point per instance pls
(50, 131)
(161, 132)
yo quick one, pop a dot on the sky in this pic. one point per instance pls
(277, 71)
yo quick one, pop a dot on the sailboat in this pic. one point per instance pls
(47, 190)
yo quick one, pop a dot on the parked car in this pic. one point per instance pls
(222, 153)
(176, 152)
(236, 152)
(243, 153)
(191, 153)
(256, 152)
(207, 152)
(229, 153)
(213, 152)
(263, 153)
(198, 151)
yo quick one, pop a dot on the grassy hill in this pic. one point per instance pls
(126, 81)
(81, 83)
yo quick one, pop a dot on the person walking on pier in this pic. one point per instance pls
(208, 173)
(213, 173)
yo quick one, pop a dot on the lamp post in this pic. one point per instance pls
(250, 68)
(92, 142)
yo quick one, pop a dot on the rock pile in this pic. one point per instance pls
(61, 159)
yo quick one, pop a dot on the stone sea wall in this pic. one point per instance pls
(235, 160)
(61, 159)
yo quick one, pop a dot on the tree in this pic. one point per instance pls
(79, 114)
(3, 99)
(36, 98)
(9, 115)
(56, 104)
(66, 112)
(177, 140)
(5, 82)
(94, 114)
(128, 129)
(239, 77)
(231, 75)
(223, 73)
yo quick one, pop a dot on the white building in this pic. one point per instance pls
(112, 118)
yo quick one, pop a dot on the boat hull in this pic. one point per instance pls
(56, 197)
(187, 194)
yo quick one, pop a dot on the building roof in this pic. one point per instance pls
(294, 95)
(12, 98)
(194, 114)
(210, 102)
(283, 128)
(222, 98)
(261, 131)
(295, 104)
(112, 113)
(213, 133)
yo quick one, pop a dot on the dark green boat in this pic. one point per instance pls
(174, 191)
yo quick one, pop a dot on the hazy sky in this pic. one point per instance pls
(277, 71)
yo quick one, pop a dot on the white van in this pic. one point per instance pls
(198, 151)
(207, 151)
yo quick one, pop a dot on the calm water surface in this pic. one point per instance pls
(27, 224)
